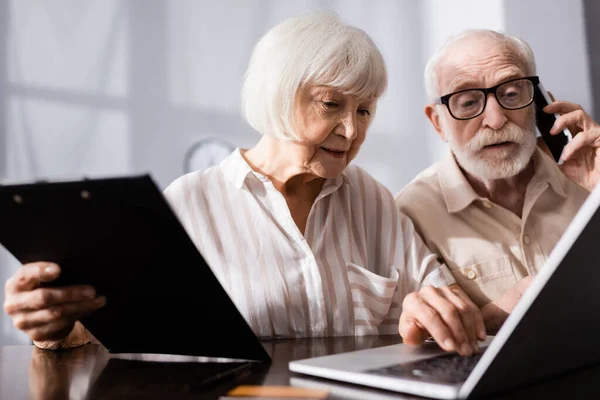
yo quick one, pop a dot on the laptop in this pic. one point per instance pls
(541, 338)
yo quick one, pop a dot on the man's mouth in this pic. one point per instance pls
(497, 145)
(334, 152)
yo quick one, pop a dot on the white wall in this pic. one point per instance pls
(556, 33)
(591, 10)
(110, 87)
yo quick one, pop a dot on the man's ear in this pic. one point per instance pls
(432, 113)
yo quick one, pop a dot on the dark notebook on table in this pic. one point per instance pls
(121, 236)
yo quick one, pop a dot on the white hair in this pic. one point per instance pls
(314, 49)
(519, 46)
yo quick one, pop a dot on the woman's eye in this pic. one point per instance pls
(329, 104)
(364, 112)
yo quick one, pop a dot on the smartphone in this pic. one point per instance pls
(544, 123)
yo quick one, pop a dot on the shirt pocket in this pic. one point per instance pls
(372, 297)
(486, 281)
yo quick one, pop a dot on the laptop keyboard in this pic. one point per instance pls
(451, 368)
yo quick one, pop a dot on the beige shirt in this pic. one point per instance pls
(487, 247)
(347, 275)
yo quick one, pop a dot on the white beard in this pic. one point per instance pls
(503, 163)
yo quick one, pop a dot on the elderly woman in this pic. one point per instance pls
(304, 244)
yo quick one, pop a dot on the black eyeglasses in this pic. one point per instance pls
(470, 103)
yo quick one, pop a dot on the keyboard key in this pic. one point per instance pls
(450, 368)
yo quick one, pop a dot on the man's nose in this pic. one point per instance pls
(494, 116)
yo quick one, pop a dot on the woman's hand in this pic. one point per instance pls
(447, 314)
(48, 315)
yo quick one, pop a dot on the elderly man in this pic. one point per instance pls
(494, 208)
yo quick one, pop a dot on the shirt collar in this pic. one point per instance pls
(458, 192)
(332, 185)
(547, 171)
(237, 169)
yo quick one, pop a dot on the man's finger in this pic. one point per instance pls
(575, 119)
(581, 141)
(65, 312)
(29, 276)
(46, 297)
(551, 96)
(561, 107)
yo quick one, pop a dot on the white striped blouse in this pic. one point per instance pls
(346, 276)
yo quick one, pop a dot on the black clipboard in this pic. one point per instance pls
(121, 236)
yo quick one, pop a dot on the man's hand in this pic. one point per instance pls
(496, 312)
(447, 314)
(581, 156)
(48, 315)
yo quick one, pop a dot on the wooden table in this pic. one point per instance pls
(85, 373)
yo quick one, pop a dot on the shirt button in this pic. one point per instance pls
(470, 274)
(526, 240)
(487, 204)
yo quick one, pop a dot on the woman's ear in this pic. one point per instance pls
(431, 111)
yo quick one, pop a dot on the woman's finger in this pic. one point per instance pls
(466, 315)
(46, 297)
(53, 331)
(65, 312)
(417, 312)
(410, 331)
(479, 321)
(29, 276)
(474, 311)
(451, 317)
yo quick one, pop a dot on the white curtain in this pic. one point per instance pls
(112, 87)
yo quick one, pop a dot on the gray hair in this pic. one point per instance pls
(314, 49)
(521, 48)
